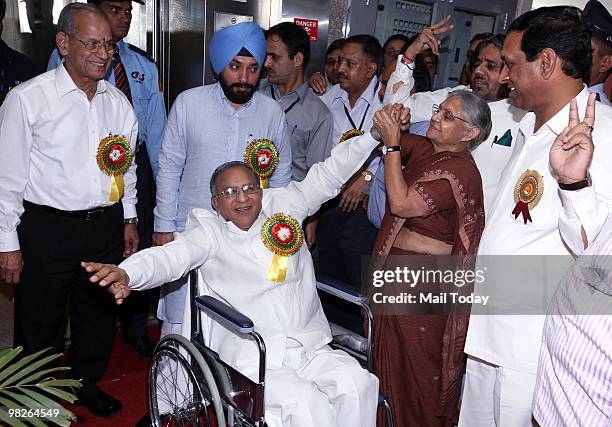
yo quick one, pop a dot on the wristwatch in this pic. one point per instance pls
(131, 220)
(367, 176)
(575, 186)
(391, 149)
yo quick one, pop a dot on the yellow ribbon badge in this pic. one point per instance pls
(283, 236)
(261, 155)
(114, 157)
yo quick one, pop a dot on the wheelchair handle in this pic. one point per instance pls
(224, 314)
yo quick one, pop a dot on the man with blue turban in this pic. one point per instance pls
(208, 126)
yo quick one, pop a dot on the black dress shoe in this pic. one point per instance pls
(99, 403)
(143, 345)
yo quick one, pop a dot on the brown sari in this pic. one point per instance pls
(419, 358)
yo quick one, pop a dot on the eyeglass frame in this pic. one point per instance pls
(435, 109)
(256, 189)
(95, 45)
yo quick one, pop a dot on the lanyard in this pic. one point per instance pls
(351, 119)
(289, 107)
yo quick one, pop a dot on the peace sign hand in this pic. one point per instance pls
(428, 40)
(572, 151)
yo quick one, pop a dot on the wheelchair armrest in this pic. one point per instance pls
(340, 290)
(224, 314)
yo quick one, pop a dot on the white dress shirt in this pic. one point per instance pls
(601, 91)
(363, 111)
(49, 137)
(513, 341)
(233, 265)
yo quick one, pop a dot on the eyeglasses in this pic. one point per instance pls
(94, 45)
(447, 114)
(232, 192)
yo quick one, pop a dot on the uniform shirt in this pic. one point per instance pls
(574, 379)
(234, 263)
(600, 90)
(49, 137)
(147, 99)
(15, 68)
(203, 132)
(513, 341)
(310, 125)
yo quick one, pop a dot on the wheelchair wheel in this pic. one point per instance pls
(181, 386)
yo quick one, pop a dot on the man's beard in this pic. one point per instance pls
(236, 98)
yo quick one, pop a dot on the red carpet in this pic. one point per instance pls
(125, 379)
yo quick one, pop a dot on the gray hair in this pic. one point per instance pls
(66, 22)
(225, 166)
(477, 112)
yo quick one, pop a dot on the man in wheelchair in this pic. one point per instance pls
(250, 255)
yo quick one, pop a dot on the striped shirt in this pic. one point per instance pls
(574, 382)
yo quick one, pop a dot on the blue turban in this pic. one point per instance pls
(226, 44)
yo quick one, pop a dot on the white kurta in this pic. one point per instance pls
(233, 265)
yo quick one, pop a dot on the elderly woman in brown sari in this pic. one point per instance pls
(435, 207)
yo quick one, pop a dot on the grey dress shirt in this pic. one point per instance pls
(309, 123)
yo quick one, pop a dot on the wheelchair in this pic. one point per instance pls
(189, 385)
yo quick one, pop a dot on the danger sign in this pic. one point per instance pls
(310, 25)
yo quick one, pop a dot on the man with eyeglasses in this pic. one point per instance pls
(67, 183)
(235, 251)
(136, 75)
(210, 125)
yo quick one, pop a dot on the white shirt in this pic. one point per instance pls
(600, 90)
(491, 156)
(513, 341)
(49, 137)
(233, 265)
(361, 113)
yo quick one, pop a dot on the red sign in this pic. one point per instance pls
(310, 25)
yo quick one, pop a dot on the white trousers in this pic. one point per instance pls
(329, 389)
(496, 396)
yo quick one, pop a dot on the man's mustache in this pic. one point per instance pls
(242, 85)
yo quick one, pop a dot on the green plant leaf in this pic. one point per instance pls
(27, 370)
(61, 383)
(11, 421)
(9, 354)
(39, 374)
(20, 364)
(62, 394)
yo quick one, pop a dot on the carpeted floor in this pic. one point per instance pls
(125, 379)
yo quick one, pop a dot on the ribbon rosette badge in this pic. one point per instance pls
(262, 157)
(283, 236)
(350, 134)
(114, 157)
(527, 193)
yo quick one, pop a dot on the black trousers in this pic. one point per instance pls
(343, 239)
(134, 311)
(53, 281)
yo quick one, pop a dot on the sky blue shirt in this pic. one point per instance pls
(203, 132)
(378, 192)
(147, 99)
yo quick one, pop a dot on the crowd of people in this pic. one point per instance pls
(268, 179)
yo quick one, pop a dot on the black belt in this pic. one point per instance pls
(87, 215)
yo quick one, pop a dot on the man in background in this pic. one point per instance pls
(600, 21)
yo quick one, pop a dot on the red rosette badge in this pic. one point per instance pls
(261, 155)
(282, 235)
(527, 193)
(114, 157)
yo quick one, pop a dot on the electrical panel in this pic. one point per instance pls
(401, 17)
